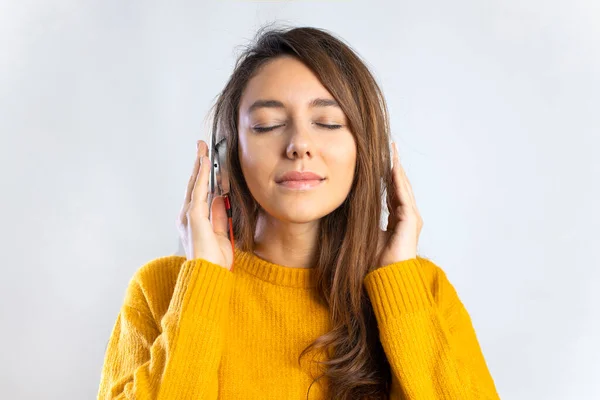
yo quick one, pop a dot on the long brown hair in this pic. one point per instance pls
(356, 366)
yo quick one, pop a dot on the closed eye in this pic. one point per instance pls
(329, 126)
(265, 128)
(270, 128)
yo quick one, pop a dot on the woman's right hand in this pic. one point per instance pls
(201, 237)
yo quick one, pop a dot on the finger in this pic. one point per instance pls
(192, 180)
(219, 220)
(407, 187)
(200, 150)
(391, 222)
(402, 194)
(200, 192)
(392, 197)
(408, 194)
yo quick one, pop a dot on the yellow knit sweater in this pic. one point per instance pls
(190, 329)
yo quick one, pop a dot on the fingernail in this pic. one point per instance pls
(197, 144)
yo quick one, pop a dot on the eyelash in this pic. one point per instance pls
(270, 128)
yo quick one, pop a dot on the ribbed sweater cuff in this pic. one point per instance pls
(398, 288)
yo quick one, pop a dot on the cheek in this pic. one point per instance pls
(256, 167)
(247, 164)
(247, 157)
(345, 170)
(343, 156)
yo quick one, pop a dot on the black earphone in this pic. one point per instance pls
(219, 180)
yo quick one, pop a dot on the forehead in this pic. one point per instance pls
(285, 79)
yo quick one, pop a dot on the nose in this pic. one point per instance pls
(300, 144)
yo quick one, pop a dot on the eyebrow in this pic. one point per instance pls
(318, 102)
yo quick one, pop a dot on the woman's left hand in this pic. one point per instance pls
(404, 225)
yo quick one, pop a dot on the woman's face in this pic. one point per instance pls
(288, 121)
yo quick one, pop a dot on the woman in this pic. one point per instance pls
(314, 273)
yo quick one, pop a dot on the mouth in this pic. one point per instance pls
(306, 184)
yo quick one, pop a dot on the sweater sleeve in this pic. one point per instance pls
(177, 358)
(427, 334)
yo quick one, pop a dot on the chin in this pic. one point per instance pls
(300, 215)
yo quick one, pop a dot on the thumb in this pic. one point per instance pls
(219, 216)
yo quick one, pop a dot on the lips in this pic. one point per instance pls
(299, 176)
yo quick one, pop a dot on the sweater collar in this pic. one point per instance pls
(276, 274)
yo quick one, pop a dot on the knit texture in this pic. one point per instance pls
(191, 329)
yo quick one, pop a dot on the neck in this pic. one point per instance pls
(286, 243)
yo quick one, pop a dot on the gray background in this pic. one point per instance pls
(494, 106)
